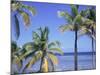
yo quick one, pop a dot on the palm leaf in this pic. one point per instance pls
(15, 5)
(26, 54)
(85, 13)
(64, 28)
(17, 30)
(25, 18)
(41, 32)
(56, 49)
(53, 58)
(86, 31)
(18, 6)
(53, 44)
(34, 59)
(30, 8)
(17, 61)
(13, 46)
(35, 35)
(74, 10)
(46, 32)
(65, 15)
(28, 46)
(51, 65)
(78, 20)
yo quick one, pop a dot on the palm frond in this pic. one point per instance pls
(17, 29)
(36, 35)
(56, 50)
(46, 32)
(26, 54)
(74, 10)
(51, 65)
(53, 58)
(86, 31)
(25, 18)
(78, 20)
(53, 44)
(85, 13)
(65, 15)
(28, 46)
(15, 5)
(30, 8)
(13, 46)
(34, 59)
(66, 27)
(17, 61)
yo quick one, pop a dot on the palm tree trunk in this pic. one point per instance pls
(75, 49)
(92, 50)
(42, 59)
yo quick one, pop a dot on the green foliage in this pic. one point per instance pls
(18, 7)
(53, 58)
(41, 49)
(81, 23)
(17, 26)
(74, 10)
(85, 21)
(67, 27)
(89, 25)
(14, 55)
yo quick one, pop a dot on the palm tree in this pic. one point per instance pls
(74, 23)
(90, 27)
(17, 7)
(43, 51)
(15, 56)
(89, 22)
(86, 24)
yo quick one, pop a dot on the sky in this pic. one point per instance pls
(46, 15)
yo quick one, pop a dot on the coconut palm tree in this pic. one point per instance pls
(89, 26)
(89, 22)
(82, 22)
(74, 23)
(15, 56)
(17, 7)
(43, 51)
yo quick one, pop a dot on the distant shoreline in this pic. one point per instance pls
(79, 53)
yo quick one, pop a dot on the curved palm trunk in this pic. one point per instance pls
(75, 49)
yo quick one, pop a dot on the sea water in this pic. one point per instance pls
(66, 63)
(85, 62)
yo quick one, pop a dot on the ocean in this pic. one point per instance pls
(66, 63)
(85, 62)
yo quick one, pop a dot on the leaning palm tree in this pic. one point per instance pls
(74, 23)
(17, 7)
(43, 51)
(15, 57)
(17, 54)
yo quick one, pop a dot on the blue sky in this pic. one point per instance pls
(47, 16)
